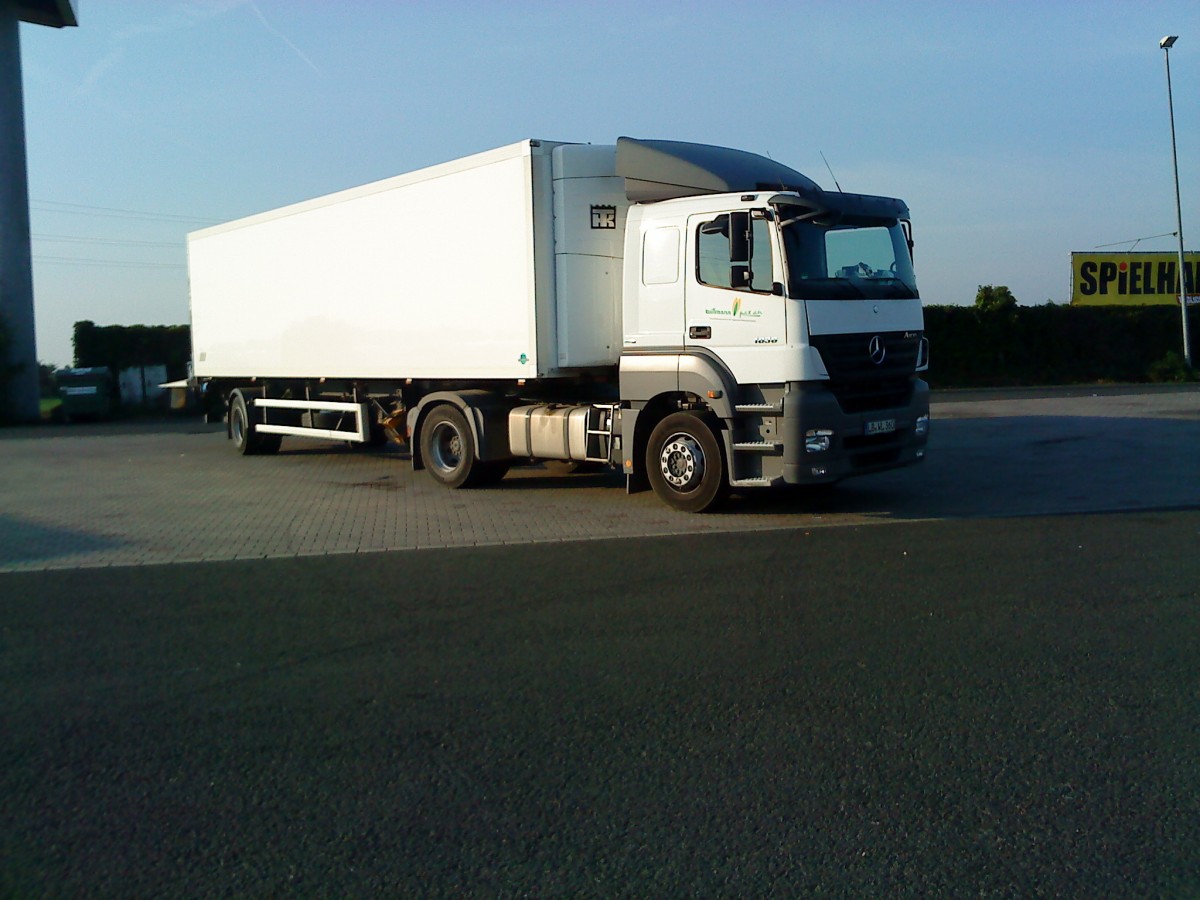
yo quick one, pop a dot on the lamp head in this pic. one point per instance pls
(1168, 42)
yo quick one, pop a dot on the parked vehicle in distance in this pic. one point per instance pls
(86, 393)
(703, 318)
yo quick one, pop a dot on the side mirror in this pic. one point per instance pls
(739, 251)
(739, 237)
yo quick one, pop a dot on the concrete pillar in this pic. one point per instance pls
(16, 267)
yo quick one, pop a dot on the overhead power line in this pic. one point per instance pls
(73, 239)
(106, 263)
(82, 209)
(1136, 241)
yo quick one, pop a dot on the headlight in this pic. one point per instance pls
(818, 440)
(921, 426)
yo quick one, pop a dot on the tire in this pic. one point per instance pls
(448, 448)
(685, 465)
(246, 439)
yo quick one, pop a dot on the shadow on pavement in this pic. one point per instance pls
(22, 541)
(1017, 466)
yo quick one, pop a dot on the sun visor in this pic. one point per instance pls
(663, 170)
(866, 206)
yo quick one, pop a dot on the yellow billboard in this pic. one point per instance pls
(1131, 279)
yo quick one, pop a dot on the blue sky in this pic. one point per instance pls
(1017, 132)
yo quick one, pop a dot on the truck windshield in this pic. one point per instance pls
(848, 261)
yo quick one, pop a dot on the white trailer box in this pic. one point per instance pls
(448, 272)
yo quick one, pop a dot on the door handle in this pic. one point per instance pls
(700, 332)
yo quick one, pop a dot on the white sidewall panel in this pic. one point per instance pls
(414, 277)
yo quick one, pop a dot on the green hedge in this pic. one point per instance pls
(124, 346)
(970, 347)
(1038, 345)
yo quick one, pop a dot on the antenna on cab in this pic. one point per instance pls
(831, 175)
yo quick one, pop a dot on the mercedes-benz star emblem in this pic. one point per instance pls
(877, 351)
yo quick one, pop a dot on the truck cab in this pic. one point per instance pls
(791, 325)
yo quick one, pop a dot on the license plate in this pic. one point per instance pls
(880, 426)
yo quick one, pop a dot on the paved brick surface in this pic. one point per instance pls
(111, 495)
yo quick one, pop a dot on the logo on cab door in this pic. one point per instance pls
(735, 311)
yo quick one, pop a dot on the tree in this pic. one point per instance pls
(995, 299)
(86, 343)
(47, 380)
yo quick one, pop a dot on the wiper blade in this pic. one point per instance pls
(899, 286)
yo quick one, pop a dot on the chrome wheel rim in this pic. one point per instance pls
(447, 447)
(682, 462)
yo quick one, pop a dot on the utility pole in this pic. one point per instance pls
(1166, 44)
(16, 265)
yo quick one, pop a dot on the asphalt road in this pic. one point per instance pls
(981, 706)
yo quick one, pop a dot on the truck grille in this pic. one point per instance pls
(859, 383)
(867, 452)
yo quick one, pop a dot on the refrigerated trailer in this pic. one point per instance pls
(702, 318)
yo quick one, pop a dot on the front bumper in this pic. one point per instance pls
(853, 449)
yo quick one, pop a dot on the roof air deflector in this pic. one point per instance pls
(663, 170)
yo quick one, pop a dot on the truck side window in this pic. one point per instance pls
(760, 257)
(712, 253)
(716, 268)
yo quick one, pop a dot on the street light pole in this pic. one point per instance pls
(1166, 44)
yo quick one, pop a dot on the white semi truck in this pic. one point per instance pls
(703, 318)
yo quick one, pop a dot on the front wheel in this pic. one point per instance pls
(685, 465)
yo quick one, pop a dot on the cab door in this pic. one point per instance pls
(733, 306)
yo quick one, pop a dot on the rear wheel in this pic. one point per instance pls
(685, 465)
(243, 431)
(448, 448)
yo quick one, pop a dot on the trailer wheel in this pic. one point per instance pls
(448, 448)
(246, 438)
(685, 465)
